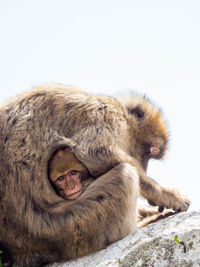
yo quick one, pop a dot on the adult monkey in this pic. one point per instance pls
(109, 138)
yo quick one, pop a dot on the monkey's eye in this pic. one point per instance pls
(137, 111)
(60, 178)
(73, 172)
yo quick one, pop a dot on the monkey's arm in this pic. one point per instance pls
(102, 214)
(156, 194)
(161, 196)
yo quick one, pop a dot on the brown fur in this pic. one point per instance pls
(64, 161)
(110, 137)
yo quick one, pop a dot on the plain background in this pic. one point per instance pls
(111, 47)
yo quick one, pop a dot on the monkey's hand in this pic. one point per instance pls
(174, 200)
(161, 196)
(171, 198)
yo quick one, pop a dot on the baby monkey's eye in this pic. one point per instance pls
(73, 172)
(61, 178)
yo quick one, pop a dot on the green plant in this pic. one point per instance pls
(180, 242)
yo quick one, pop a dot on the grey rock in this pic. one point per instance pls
(152, 246)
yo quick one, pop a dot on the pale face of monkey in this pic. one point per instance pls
(70, 184)
(68, 175)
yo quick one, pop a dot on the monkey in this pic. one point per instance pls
(68, 176)
(114, 139)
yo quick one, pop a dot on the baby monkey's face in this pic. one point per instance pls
(71, 184)
(68, 175)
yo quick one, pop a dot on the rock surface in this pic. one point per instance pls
(152, 246)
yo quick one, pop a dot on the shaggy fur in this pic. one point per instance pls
(111, 139)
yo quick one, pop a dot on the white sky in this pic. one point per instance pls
(110, 46)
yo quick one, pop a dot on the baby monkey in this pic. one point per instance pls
(68, 175)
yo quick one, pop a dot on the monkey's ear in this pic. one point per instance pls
(137, 111)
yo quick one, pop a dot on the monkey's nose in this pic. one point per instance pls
(70, 185)
(154, 151)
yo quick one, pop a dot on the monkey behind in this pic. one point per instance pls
(112, 139)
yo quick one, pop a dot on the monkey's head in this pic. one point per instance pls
(67, 174)
(148, 129)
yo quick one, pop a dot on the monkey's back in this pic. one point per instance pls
(32, 126)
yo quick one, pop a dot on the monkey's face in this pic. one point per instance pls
(71, 184)
(148, 131)
(68, 175)
(151, 137)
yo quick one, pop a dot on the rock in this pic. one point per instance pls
(153, 245)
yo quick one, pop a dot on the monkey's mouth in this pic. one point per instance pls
(150, 152)
(75, 194)
(154, 151)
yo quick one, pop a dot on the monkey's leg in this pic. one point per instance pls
(145, 211)
(103, 214)
(147, 215)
